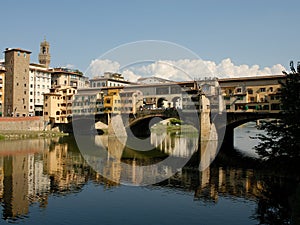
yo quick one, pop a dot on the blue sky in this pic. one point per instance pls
(262, 33)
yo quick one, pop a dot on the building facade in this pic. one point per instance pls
(2, 82)
(40, 84)
(250, 94)
(58, 105)
(17, 79)
(108, 80)
(68, 77)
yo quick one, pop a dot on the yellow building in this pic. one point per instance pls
(259, 93)
(2, 82)
(112, 101)
(58, 105)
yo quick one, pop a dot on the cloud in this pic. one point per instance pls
(184, 69)
(98, 67)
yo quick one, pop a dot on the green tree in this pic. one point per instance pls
(281, 141)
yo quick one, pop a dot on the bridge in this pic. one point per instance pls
(223, 104)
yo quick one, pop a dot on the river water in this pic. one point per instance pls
(52, 181)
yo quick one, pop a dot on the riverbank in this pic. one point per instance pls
(17, 134)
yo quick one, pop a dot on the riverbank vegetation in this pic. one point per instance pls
(14, 135)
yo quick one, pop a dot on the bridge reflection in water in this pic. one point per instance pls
(31, 171)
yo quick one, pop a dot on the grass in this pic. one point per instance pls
(15, 135)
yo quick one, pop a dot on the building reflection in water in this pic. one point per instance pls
(32, 170)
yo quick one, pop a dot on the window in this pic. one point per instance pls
(31, 93)
(262, 89)
(250, 91)
(24, 85)
(239, 90)
(31, 100)
(227, 106)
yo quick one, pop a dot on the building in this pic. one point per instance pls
(2, 82)
(88, 101)
(68, 77)
(153, 80)
(131, 101)
(58, 104)
(109, 80)
(17, 80)
(44, 56)
(40, 84)
(259, 93)
(112, 101)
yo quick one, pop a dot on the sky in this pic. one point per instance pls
(231, 38)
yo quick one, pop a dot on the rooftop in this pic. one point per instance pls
(258, 77)
(17, 49)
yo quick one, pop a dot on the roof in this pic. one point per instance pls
(17, 49)
(258, 77)
(154, 77)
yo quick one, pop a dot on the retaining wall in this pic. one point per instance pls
(34, 123)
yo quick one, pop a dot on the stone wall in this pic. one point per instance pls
(34, 123)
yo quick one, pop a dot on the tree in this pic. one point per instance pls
(281, 141)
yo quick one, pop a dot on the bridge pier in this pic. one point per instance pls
(228, 142)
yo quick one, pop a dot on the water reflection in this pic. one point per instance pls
(33, 171)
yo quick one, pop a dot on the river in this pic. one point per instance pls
(53, 181)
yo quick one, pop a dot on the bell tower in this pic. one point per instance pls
(44, 56)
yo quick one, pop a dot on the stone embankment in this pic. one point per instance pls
(24, 127)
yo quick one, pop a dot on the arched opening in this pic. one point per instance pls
(162, 103)
(176, 103)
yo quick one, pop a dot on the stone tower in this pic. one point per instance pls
(44, 56)
(16, 90)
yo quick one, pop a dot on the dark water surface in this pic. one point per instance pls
(48, 181)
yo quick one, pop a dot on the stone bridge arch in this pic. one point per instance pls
(236, 119)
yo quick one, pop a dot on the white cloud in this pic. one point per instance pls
(98, 67)
(184, 69)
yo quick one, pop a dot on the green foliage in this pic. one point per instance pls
(282, 139)
(175, 121)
